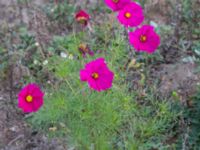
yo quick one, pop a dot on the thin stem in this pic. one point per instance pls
(70, 86)
(127, 39)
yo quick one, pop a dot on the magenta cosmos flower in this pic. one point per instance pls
(84, 49)
(82, 17)
(131, 15)
(144, 39)
(97, 74)
(116, 5)
(30, 98)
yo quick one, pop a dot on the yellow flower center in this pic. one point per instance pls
(95, 75)
(143, 38)
(83, 47)
(29, 98)
(82, 20)
(127, 14)
(115, 1)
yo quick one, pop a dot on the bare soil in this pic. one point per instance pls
(15, 133)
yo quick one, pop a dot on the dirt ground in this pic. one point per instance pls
(15, 134)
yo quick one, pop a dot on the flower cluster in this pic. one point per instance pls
(96, 72)
(130, 14)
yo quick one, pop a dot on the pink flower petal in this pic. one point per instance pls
(116, 5)
(83, 75)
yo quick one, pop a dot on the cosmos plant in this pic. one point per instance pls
(96, 73)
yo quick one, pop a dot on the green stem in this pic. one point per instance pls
(70, 86)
